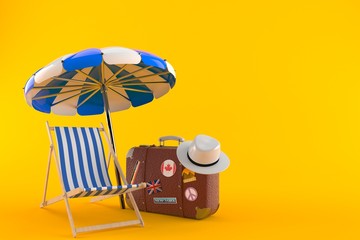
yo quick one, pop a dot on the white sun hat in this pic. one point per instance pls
(203, 155)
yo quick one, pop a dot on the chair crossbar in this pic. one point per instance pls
(107, 226)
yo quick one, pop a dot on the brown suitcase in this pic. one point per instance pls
(171, 188)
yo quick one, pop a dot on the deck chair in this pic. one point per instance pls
(83, 171)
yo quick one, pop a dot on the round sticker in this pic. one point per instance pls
(191, 194)
(168, 168)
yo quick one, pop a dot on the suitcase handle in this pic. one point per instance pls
(166, 138)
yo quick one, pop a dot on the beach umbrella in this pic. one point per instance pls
(97, 81)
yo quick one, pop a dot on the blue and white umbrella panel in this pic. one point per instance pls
(81, 83)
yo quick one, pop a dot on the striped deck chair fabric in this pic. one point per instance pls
(82, 162)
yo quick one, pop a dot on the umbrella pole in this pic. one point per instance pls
(108, 119)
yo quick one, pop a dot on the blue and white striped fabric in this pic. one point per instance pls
(82, 162)
(76, 83)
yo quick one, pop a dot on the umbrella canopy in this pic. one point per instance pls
(76, 83)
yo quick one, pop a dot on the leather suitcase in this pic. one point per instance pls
(171, 188)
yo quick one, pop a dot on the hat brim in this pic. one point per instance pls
(182, 154)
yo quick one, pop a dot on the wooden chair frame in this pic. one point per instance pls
(66, 195)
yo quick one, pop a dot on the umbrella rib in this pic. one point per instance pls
(102, 76)
(127, 75)
(78, 94)
(88, 76)
(138, 78)
(137, 83)
(67, 86)
(136, 90)
(92, 94)
(73, 80)
(119, 71)
(60, 93)
(119, 93)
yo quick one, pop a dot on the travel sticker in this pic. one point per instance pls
(191, 194)
(153, 187)
(165, 200)
(188, 176)
(168, 168)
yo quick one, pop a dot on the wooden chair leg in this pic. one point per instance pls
(71, 220)
(136, 209)
(47, 177)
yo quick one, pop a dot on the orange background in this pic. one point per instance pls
(276, 82)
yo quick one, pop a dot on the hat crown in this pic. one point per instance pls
(206, 143)
(204, 150)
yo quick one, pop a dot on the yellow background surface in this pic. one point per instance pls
(276, 82)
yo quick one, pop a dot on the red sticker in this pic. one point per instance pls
(168, 168)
